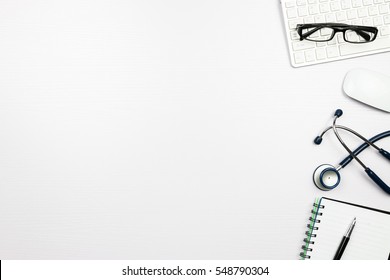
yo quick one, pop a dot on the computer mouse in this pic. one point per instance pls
(369, 87)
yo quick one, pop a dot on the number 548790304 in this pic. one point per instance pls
(236, 270)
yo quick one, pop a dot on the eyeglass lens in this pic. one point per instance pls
(320, 35)
(359, 36)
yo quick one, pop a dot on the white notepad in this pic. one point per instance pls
(329, 222)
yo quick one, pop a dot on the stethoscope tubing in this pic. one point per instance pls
(364, 146)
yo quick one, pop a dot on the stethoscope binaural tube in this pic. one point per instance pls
(318, 176)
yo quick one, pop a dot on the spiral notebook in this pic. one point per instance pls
(330, 220)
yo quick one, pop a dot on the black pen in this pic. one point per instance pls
(344, 241)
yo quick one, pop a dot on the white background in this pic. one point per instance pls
(166, 130)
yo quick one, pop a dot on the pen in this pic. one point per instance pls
(344, 241)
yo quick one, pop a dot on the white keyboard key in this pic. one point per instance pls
(320, 53)
(309, 19)
(386, 19)
(367, 2)
(299, 57)
(379, 43)
(384, 30)
(321, 44)
(292, 13)
(330, 17)
(302, 11)
(378, 21)
(363, 12)
(345, 4)
(324, 8)
(319, 18)
(290, 4)
(356, 22)
(384, 9)
(301, 2)
(378, 1)
(341, 16)
(303, 45)
(352, 14)
(357, 3)
(373, 10)
(310, 55)
(335, 6)
(367, 22)
(313, 9)
(312, 1)
(332, 51)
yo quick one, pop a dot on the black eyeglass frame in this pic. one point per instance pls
(337, 27)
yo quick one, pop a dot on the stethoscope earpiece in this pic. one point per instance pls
(326, 177)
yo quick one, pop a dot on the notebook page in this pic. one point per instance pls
(370, 238)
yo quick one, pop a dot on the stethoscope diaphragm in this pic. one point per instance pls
(326, 177)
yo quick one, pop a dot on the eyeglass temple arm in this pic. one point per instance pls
(363, 34)
(307, 34)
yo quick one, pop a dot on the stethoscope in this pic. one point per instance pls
(327, 177)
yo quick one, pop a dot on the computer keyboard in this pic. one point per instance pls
(356, 12)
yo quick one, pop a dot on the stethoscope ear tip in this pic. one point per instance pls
(326, 177)
(338, 113)
(318, 140)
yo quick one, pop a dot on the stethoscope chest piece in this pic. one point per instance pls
(326, 177)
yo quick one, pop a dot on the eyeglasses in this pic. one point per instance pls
(323, 32)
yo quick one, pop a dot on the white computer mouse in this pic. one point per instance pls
(369, 87)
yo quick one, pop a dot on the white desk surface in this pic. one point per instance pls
(166, 130)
